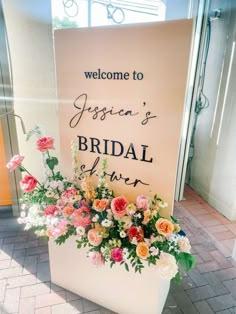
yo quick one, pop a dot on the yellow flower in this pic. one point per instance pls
(142, 250)
(176, 228)
(147, 216)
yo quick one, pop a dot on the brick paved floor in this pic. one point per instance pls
(25, 285)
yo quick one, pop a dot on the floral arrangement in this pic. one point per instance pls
(113, 230)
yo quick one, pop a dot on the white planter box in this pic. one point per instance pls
(114, 288)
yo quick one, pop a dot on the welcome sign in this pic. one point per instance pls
(121, 95)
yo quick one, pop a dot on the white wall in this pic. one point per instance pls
(29, 26)
(213, 166)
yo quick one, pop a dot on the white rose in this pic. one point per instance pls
(80, 231)
(183, 244)
(166, 266)
(122, 234)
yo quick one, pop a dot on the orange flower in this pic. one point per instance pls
(67, 211)
(100, 205)
(147, 216)
(164, 226)
(142, 250)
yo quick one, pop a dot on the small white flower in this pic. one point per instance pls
(80, 231)
(106, 223)
(23, 206)
(23, 214)
(162, 204)
(138, 215)
(122, 234)
(56, 196)
(49, 194)
(154, 251)
(125, 252)
(20, 220)
(95, 218)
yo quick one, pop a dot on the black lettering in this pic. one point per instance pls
(144, 154)
(95, 144)
(131, 151)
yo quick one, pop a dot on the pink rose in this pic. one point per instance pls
(50, 210)
(117, 254)
(81, 217)
(118, 206)
(142, 202)
(184, 245)
(28, 183)
(15, 162)
(45, 143)
(69, 192)
(94, 237)
(96, 258)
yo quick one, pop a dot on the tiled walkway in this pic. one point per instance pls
(25, 285)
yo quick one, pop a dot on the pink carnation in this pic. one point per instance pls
(142, 202)
(97, 259)
(118, 206)
(81, 217)
(15, 162)
(50, 210)
(69, 192)
(28, 183)
(117, 255)
(45, 143)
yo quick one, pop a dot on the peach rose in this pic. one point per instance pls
(67, 211)
(44, 143)
(100, 205)
(15, 162)
(184, 245)
(164, 226)
(118, 206)
(147, 216)
(81, 217)
(142, 250)
(94, 237)
(28, 183)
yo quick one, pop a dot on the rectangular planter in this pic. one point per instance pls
(114, 288)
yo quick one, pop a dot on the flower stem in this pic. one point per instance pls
(24, 169)
(53, 174)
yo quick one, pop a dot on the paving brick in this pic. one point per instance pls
(224, 235)
(215, 283)
(215, 229)
(211, 222)
(15, 239)
(197, 278)
(37, 250)
(222, 302)
(231, 286)
(222, 261)
(18, 261)
(184, 303)
(55, 288)
(11, 272)
(30, 265)
(89, 306)
(103, 310)
(27, 306)
(74, 307)
(3, 284)
(200, 293)
(208, 266)
(50, 299)
(203, 307)
(35, 290)
(70, 296)
(43, 272)
(44, 257)
(5, 263)
(21, 281)
(11, 302)
(93, 312)
(43, 310)
(226, 274)
(19, 253)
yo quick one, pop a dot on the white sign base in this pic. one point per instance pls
(114, 288)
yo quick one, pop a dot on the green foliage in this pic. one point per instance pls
(187, 261)
(52, 162)
(63, 23)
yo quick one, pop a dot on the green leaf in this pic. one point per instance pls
(52, 162)
(21, 168)
(174, 219)
(177, 278)
(126, 267)
(187, 261)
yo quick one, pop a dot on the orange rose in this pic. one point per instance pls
(67, 211)
(142, 250)
(164, 226)
(147, 216)
(100, 205)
